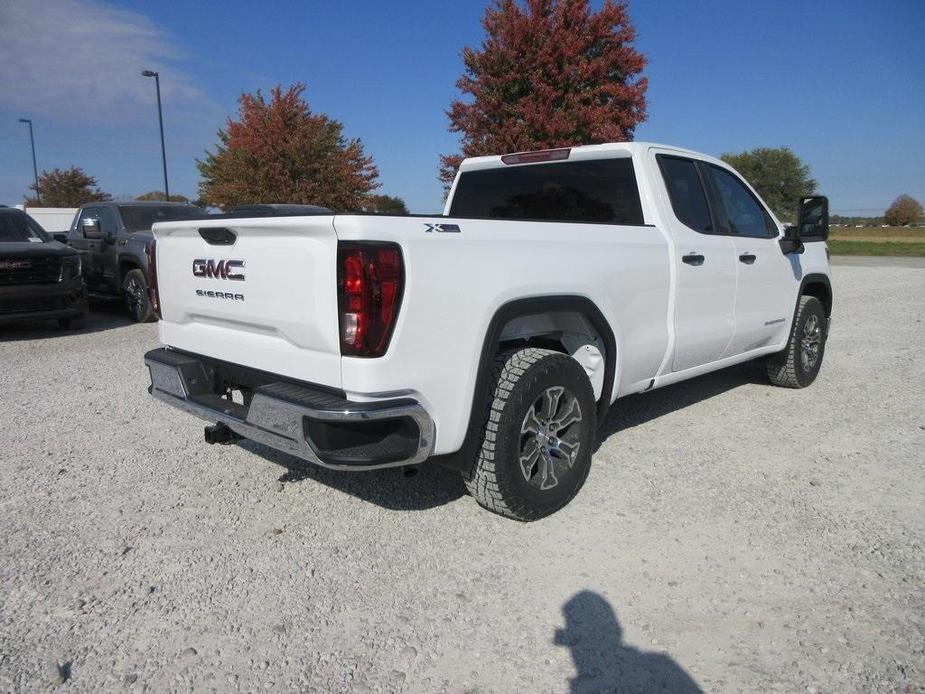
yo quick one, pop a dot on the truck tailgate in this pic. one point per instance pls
(273, 308)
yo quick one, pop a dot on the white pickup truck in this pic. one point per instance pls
(492, 338)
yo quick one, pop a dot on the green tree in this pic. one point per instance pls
(904, 210)
(158, 195)
(279, 151)
(65, 188)
(549, 73)
(385, 204)
(779, 176)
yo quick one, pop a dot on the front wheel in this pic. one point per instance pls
(135, 294)
(537, 432)
(798, 364)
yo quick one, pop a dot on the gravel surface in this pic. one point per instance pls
(732, 537)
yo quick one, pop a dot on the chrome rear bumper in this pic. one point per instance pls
(304, 421)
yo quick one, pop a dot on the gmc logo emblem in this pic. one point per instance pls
(218, 269)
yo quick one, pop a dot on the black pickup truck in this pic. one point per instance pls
(112, 239)
(39, 277)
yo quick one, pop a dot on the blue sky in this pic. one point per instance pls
(842, 83)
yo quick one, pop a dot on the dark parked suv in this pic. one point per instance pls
(112, 238)
(39, 277)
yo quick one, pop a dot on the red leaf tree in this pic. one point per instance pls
(66, 188)
(279, 151)
(549, 74)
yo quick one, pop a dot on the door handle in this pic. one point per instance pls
(695, 259)
(748, 258)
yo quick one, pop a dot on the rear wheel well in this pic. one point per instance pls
(537, 341)
(126, 266)
(569, 332)
(526, 322)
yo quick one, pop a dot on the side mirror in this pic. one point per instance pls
(60, 236)
(91, 228)
(791, 242)
(813, 218)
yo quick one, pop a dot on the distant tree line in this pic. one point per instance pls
(904, 210)
(854, 221)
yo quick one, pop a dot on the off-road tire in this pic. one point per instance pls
(138, 304)
(518, 378)
(786, 368)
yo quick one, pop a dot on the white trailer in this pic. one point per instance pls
(52, 219)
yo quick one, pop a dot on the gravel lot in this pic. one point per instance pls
(732, 537)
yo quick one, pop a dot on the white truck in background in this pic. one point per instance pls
(55, 220)
(493, 338)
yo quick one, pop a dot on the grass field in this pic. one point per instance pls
(907, 241)
(839, 247)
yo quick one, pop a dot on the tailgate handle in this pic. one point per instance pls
(218, 236)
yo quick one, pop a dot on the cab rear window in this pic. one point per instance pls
(597, 190)
(142, 218)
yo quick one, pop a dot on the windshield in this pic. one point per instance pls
(142, 218)
(20, 228)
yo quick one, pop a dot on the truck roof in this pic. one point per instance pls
(608, 149)
(138, 203)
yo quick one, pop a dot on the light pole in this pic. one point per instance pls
(35, 169)
(160, 119)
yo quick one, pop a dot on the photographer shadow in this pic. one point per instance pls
(433, 486)
(605, 663)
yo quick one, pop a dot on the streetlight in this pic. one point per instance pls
(35, 169)
(160, 118)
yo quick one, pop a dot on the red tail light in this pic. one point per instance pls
(153, 296)
(370, 280)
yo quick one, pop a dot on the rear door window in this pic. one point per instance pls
(595, 190)
(685, 190)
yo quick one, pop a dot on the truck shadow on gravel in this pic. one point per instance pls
(432, 486)
(425, 487)
(101, 317)
(635, 410)
(604, 663)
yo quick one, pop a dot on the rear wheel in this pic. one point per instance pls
(798, 364)
(135, 295)
(536, 437)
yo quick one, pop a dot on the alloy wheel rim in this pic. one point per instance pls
(810, 342)
(550, 437)
(136, 296)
